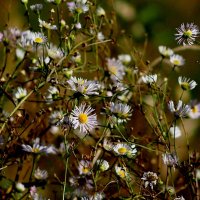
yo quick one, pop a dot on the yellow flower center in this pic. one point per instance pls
(121, 173)
(83, 118)
(113, 70)
(188, 33)
(176, 62)
(85, 170)
(35, 150)
(122, 150)
(39, 40)
(185, 86)
(195, 109)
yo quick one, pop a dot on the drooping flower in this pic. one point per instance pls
(150, 179)
(181, 109)
(103, 165)
(187, 34)
(82, 118)
(100, 12)
(186, 83)
(53, 94)
(165, 51)
(177, 60)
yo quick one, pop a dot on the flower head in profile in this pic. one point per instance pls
(57, 117)
(20, 93)
(150, 179)
(179, 198)
(121, 111)
(78, 6)
(187, 34)
(36, 148)
(81, 117)
(165, 51)
(53, 94)
(46, 25)
(36, 7)
(124, 58)
(149, 79)
(100, 12)
(181, 109)
(116, 69)
(103, 165)
(177, 60)
(186, 83)
(40, 174)
(194, 112)
(83, 86)
(170, 159)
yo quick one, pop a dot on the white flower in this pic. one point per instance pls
(170, 159)
(20, 93)
(132, 151)
(84, 167)
(83, 86)
(125, 58)
(194, 112)
(76, 58)
(121, 172)
(38, 38)
(149, 79)
(121, 148)
(179, 198)
(20, 53)
(81, 117)
(78, 6)
(177, 60)
(100, 12)
(187, 34)
(57, 117)
(121, 111)
(186, 83)
(165, 51)
(78, 25)
(40, 174)
(100, 36)
(175, 132)
(97, 196)
(36, 7)
(54, 52)
(53, 93)
(20, 187)
(116, 69)
(47, 25)
(36, 148)
(149, 178)
(103, 165)
(181, 109)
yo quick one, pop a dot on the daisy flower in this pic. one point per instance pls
(187, 34)
(36, 148)
(170, 159)
(175, 132)
(179, 198)
(84, 167)
(115, 69)
(149, 79)
(36, 7)
(165, 51)
(121, 171)
(121, 111)
(124, 58)
(38, 38)
(177, 60)
(103, 165)
(20, 93)
(83, 86)
(78, 6)
(57, 117)
(181, 109)
(47, 25)
(53, 93)
(121, 149)
(150, 179)
(83, 118)
(186, 83)
(100, 12)
(194, 112)
(40, 174)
